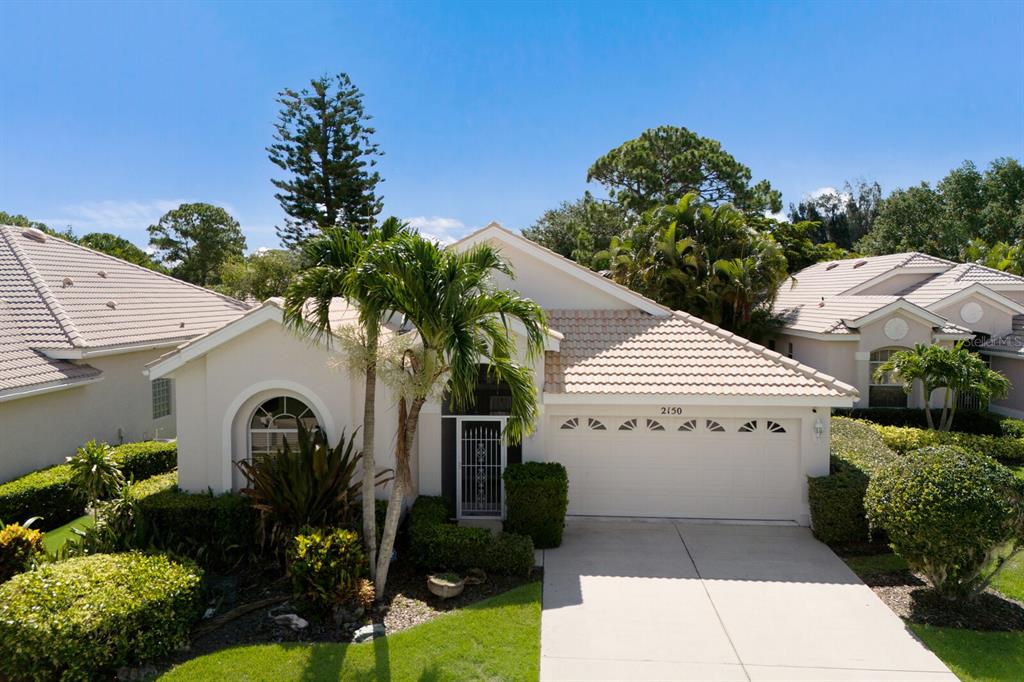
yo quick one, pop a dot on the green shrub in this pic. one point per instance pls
(837, 500)
(967, 421)
(218, 531)
(436, 544)
(1012, 427)
(48, 493)
(326, 565)
(19, 547)
(949, 514)
(51, 494)
(1006, 449)
(154, 484)
(536, 499)
(80, 618)
(146, 459)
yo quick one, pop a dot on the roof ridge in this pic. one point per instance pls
(67, 326)
(742, 342)
(145, 269)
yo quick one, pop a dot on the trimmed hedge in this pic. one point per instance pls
(1007, 449)
(436, 544)
(81, 618)
(214, 530)
(837, 500)
(979, 422)
(51, 495)
(536, 499)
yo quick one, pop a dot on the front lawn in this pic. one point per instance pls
(1010, 580)
(55, 539)
(1018, 471)
(496, 639)
(976, 656)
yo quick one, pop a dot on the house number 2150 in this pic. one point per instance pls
(672, 410)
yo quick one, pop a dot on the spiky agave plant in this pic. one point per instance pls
(312, 485)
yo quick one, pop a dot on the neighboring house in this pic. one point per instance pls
(77, 328)
(847, 317)
(653, 412)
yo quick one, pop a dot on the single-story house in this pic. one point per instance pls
(847, 317)
(655, 413)
(77, 328)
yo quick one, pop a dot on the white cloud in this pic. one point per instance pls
(112, 215)
(443, 230)
(829, 191)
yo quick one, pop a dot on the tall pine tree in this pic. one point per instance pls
(323, 142)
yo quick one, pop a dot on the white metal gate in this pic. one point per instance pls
(481, 455)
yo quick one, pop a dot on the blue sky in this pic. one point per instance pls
(114, 113)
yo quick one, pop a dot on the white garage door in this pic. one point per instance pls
(704, 467)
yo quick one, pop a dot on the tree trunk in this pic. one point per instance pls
(369, 466)
(943, 426)
(408, 421)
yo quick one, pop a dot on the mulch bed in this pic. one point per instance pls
(408, 603)
(912, 599)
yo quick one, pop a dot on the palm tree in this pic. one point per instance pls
(334, 259)
(459, 319)
(96, 473)
(953, 368)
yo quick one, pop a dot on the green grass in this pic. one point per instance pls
(1018, 471)
(1010, 580)
(55, 539)
(875, 563)
(496, 639)
(976, 656)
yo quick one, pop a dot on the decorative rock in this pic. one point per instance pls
(368, 632)
(292, 620)
(136, 674)
(476, 576)
(209, 613)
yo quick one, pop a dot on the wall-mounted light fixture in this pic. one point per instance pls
(819, 428)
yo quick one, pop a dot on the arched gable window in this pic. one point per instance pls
(276, 421)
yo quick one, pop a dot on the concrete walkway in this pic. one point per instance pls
(637, 600)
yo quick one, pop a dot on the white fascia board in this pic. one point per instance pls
(15, 394)
(569, 267)
(997, 299)
(204, 344)
(952, 337)
(101, 351)
(820, 336)
(889, 274)
(672, 399)
(901, 304)
(1002, 354)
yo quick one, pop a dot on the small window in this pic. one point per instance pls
(627, 425)
(771, 344)
(595, 425)
(161, 398)
(884, 390)
(654, 425)
(789, 353)
(712, 425)
(749, 427)
(774, 427)
(688, 425)
(570, 424)
(277, 422)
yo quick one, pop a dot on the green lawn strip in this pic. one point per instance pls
(1010, 580)
(875, 563)
(1018, 472)
(54, 539)
(496, 639)
(976, 656)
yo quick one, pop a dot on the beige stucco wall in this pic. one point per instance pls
(995, 321)
(218, 393)
(39, 431)
(552, 288)
(1012, 369)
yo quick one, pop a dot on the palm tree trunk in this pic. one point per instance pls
(369, 466)
(408, 422)
(928, 406)
(943, 426)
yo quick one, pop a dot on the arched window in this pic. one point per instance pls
(277, 421)
(884, 391)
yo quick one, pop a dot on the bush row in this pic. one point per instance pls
(214, 530)
(1007, 449)
(50, 493)
(967, 421)
(81, 618)
(837, 500)
(536, 499)
(436, 544)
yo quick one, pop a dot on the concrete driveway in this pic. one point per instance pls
(658, 600)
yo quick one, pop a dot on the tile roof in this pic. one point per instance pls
(59, 296)
(633, 352)
(827, 316)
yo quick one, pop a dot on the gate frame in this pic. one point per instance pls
(459, 420)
